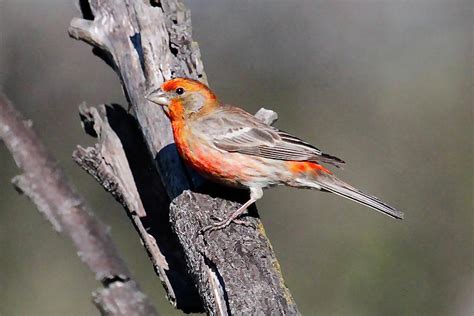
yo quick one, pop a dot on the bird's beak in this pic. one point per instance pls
(159, 97)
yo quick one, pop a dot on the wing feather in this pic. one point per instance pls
(235, 130)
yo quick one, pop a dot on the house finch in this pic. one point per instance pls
(228, 145)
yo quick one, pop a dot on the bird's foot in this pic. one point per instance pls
(232, 218)
(221, 224)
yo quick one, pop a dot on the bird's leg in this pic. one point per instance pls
(255, 194)
(232, 218)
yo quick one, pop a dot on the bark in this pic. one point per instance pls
(121, 163)
(47, 187)
(231, 271)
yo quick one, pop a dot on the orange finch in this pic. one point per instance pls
(228, 145)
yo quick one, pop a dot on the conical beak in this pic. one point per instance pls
(159, 97)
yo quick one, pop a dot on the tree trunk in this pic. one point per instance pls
(230, 271)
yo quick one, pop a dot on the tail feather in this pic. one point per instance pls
(332, 160)
(336, 186)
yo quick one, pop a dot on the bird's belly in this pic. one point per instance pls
(233, 169)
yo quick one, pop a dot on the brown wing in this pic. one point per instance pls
(235, 130)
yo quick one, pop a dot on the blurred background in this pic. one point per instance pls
(385, 85)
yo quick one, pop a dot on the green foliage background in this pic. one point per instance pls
(386, 85)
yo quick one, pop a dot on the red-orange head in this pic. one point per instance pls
(182, 98)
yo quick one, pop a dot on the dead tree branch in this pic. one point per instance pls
(231, 271)
(121, 163)
(47, 187)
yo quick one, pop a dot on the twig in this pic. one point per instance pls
(47, 187)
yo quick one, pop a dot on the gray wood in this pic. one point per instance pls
(46, 185)
(121, 163)
(234, 270)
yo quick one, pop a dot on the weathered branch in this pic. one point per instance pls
(121, 163)
(235, 270)
(47, 187)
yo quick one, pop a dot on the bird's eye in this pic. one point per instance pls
(180, 91)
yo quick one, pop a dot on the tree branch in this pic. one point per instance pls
(121, 163)
(234, 270)
(47, 187)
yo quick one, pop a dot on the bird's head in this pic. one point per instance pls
(182, 98)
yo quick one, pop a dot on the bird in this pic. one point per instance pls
(228, 145)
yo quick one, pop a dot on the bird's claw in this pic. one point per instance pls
(213, 227)
(221, 224)
(243, 222)
(215, 217)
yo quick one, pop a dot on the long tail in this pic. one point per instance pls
(332, 184)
